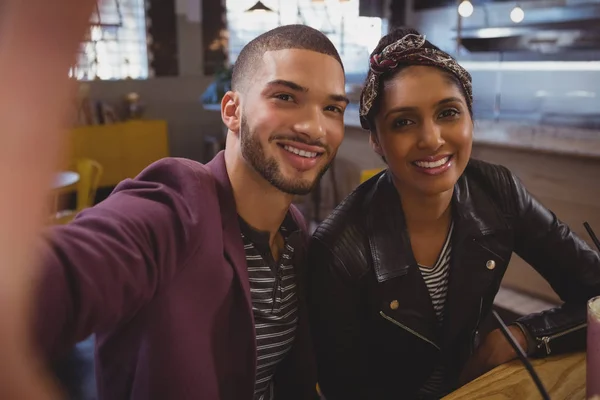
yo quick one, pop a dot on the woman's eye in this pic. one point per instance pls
(449, 113)
(284, 97)
(400, 123)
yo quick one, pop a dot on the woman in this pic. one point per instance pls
(406, 268)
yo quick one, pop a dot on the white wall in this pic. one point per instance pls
(175, 100)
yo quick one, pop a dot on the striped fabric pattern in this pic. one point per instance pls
(436, 279)
(274, 303)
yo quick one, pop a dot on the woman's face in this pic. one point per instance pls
(424, 130)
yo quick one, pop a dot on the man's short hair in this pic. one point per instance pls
(280, 38)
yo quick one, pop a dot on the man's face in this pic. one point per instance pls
(292, 118)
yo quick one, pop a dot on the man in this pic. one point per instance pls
(191, 275)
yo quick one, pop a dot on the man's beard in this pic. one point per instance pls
(269, 169)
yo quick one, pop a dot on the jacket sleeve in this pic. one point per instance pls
(97, 271)
(569, 265)
(335, 314)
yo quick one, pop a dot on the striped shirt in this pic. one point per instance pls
(274, 301)
(436, 279)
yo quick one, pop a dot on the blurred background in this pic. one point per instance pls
(152, 73)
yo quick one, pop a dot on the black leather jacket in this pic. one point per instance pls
(371, 313)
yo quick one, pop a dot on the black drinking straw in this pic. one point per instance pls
(589, 230)
(522, 356)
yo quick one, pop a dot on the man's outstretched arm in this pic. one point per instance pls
(38, 43)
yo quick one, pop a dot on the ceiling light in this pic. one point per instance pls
(517, 14)
(465, 9)
(259, 7)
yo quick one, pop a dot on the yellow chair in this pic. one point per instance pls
(90, 172)
(367, 174)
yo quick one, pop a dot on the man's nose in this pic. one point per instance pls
(312, 124)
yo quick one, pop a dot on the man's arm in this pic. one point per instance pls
(38, 44)
(100, 269)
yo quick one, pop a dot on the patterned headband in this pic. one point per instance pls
(408, 50)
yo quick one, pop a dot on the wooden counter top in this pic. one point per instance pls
(563, 377)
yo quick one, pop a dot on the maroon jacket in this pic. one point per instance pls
(158, 272)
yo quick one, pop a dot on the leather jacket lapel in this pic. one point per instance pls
(388, 238)
(476, 265)
(403, 297)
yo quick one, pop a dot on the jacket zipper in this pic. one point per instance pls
(393, 321)
(545, 341)
(476, 326)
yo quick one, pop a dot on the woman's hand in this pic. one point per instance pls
(38, 44)
(495, 350)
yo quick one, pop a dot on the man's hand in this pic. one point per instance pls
(495, 350)
(38, 43)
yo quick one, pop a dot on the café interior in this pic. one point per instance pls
(152, 73)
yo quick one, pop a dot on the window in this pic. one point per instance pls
(115, 46)
(355, 37)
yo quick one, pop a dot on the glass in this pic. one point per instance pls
(593, 348)
(119, 49)
(354, 36)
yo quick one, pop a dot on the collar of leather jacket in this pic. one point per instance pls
(481, 234)
(475, 214)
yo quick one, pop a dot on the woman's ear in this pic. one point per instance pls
(230, 111)
(374, 141)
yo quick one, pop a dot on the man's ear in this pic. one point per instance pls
(374, 141)
(230, 111)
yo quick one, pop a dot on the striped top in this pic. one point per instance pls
(274, 301)
(436, 279)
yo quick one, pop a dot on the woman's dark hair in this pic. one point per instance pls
(394, 36)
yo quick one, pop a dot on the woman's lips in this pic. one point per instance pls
(434, 165)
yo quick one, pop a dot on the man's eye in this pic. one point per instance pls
(334, 109)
